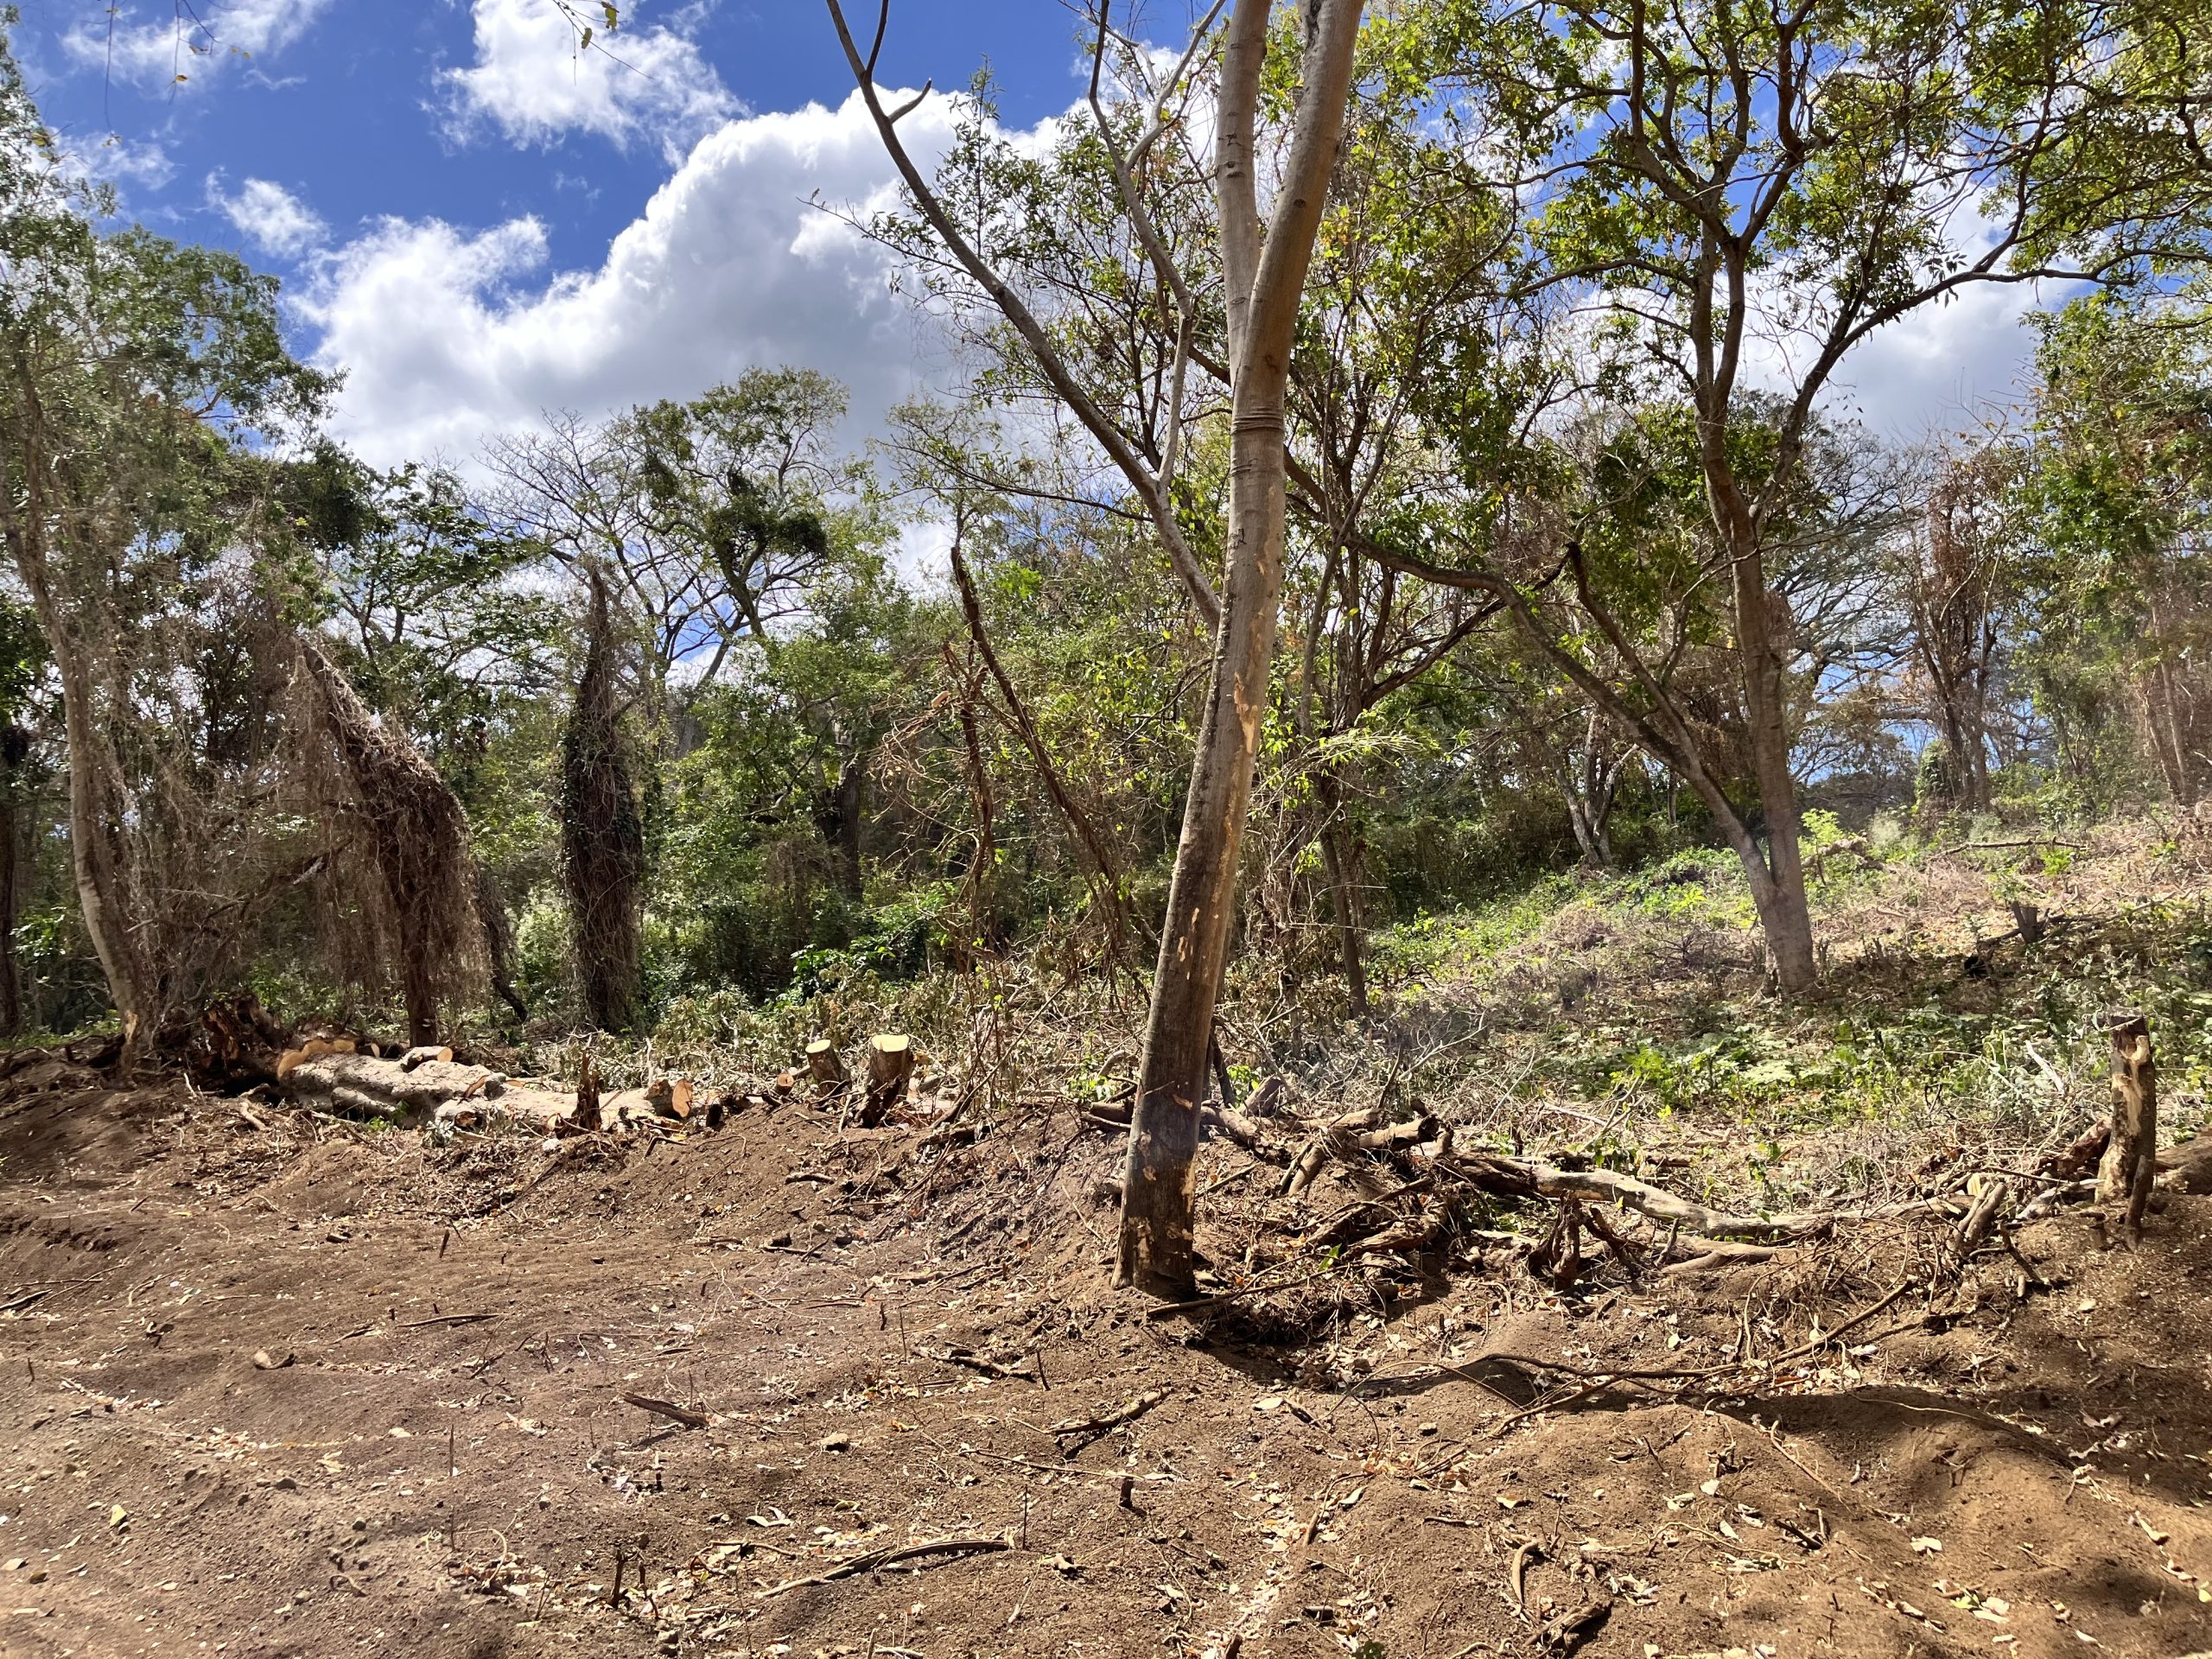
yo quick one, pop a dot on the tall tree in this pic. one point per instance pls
(1263, 264)
(2119, 483)
(135, 376)
(1714, 175)
(602, 834)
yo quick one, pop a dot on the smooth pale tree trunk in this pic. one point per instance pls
(1264, 279)
(95, 825)
(15, 753)
(1778, 881)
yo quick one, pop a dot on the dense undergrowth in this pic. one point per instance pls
(1627, 1016)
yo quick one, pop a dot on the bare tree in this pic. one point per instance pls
(1948, 562)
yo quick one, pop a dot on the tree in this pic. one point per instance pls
(602, 834)
(135, 376)
(1716, 175)
(2118, 484)
(22, 674)
(421, 887)
(1952, 568)
(1263, 267)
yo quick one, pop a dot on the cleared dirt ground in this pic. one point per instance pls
(302, 1389)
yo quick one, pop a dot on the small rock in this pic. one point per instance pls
(835, 1443)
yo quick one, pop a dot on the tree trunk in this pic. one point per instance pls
(852, 782)
(1340, 856)
(14, 750)
(96, 857)
(499, 940)
(1784, 914)
(1265, 279)
(2130, 1160)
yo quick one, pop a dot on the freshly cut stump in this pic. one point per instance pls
(890, 1064)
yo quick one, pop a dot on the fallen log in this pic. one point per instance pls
(1115, 1114)
(315, 1048)
(1511, 1177)
(1399, 1137)
(1339, 1137)
(348, 1082)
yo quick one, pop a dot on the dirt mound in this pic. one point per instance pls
(300, 1388)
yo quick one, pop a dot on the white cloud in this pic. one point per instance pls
(1941, 367)
(118, 160)
(174, 45)
(269, 216)
(448, 335)
(535, 80)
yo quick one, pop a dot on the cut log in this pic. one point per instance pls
(1399, 1137)
(314, 1049)
(1114, 1114)
(640, 1108)
(415, 1057)
(1338, 1135)
(463, 1094)
(671, 1097)
(824, 1064)
(890, 1064)
(2130, 1162)
(1237, 1127)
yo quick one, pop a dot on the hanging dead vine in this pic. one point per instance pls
(602, 834)
(384, 806)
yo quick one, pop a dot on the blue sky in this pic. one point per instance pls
(465, 211)
(343, 101)
(478, 224)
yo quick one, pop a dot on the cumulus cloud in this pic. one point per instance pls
(175, 45)
(269, 216)
(535, 78)
(119, 161)
(448, 334)
(1939, 368)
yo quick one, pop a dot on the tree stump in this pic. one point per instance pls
(823, 1065)
(2130, 1160)
(890, 1063)
(587, 1112)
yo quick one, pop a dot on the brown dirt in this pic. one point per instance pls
(433, 1455)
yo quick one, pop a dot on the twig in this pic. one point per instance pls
(673, 1413)
(881, 1558)
(1086, 1430)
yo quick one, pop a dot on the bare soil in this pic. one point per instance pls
(308, 1389)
